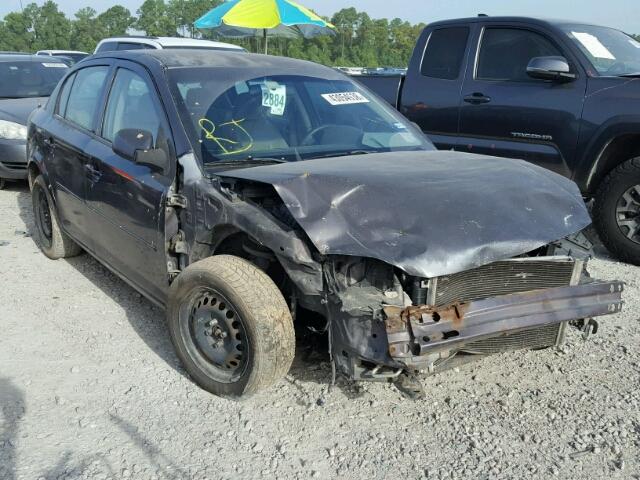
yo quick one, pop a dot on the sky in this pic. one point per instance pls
(622, 14)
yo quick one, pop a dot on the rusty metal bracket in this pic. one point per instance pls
(419, 330)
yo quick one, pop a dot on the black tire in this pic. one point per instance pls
(53, 242)
(3, 183)
(227, 289)
(605, 211)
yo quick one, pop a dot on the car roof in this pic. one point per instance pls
(172, 42)
(25, 57)
(62, 51)
(186, 58)
(513, 19)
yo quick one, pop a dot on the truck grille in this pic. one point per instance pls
(504, 278)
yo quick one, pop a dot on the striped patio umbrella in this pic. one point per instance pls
(283, 18)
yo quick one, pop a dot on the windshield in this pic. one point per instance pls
(286, 117)
(21, 79)
(611, 52)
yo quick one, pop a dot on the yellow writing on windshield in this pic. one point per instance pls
(227, 145)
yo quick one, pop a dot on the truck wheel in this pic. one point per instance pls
(230, 326)
(616, 212)
(53, 242)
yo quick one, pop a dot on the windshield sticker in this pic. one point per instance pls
(593, 45)
(344, 98)
(231, 128)
(274, 96)
(634, 43)
(241, 87)
(54, 65)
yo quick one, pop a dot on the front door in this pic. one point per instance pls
(127, 199)
(507, 113)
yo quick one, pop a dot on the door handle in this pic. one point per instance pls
(92, 173)
(477, 98)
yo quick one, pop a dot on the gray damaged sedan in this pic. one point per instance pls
(241, 192)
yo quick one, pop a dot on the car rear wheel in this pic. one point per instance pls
(230, 326)
(53, 242)
(616, 212)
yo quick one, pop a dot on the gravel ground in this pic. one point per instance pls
(90, 388)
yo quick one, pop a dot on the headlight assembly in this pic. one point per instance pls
(12, 130)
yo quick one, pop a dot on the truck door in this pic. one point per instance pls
(431, 92)
(507, 113)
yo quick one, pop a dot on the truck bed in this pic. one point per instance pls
(386, 86)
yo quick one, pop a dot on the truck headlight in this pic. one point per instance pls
(12, 130)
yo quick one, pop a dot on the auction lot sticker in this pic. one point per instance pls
(345, 98)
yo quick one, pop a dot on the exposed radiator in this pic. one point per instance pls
(500, 278)
(503, 278)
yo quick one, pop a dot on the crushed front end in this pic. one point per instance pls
(384, 322)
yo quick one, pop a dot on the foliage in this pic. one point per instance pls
(358, 40)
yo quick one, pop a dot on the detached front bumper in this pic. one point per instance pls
(415, 332)
(13, 159)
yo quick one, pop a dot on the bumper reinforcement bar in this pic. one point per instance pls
(418, 330)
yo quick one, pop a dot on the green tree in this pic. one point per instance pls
(185, 12)
(115, 21)
(84, 30)
(16, 33)
(51, 27)
(154, 19)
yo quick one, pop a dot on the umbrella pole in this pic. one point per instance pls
(266, 42)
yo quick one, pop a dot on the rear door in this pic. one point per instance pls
(507, 113)
(431, 92)
(68, 137)
(127, 199)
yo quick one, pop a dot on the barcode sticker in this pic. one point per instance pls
(345, 98)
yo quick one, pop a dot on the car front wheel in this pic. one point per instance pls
(53, 242)
(616, 212)
(230, 326)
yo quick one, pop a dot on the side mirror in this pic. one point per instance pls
(550, 68)
(137, 145)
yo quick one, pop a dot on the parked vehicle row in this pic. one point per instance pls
(25, 83)
(558, 94)
(240, 195)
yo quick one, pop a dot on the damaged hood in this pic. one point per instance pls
(429, 213)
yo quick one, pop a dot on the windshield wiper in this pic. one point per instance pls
(344, 154)
(249, 159)
(630, 75)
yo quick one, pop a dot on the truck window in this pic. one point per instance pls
(445, 52)
(506, 52)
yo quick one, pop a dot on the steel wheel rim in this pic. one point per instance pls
(44, 216)
(215, 335)
(628, 213)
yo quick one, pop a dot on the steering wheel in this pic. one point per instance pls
(618, 67)
(339, 131)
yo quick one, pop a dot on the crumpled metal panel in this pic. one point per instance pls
(429, 213)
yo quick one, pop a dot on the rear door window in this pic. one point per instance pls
(64, 95)
(85, 96)
(445, 52)
(505, 53)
